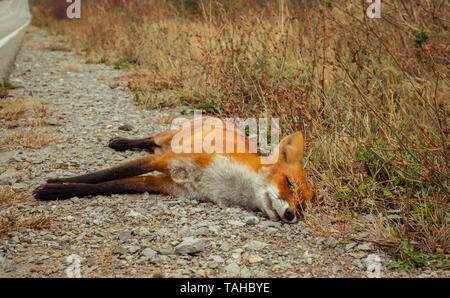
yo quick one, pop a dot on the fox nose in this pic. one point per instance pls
(289, 214)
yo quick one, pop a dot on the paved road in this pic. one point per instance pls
(14, 18)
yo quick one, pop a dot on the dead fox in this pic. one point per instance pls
(233, 177)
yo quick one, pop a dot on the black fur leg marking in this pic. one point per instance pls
(119, 144)
(61, 191)
(55, 191)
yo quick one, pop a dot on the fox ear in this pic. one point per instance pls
(291, 148)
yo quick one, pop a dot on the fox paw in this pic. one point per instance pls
(49, 191)
(118, 144)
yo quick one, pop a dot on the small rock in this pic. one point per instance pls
(363, 235)
(149, 253)
(143, 232)
(350, 245)
(236, 254)
(253, 259)
(124, 236)
(331, 242)
(225, 246)
(19, 187)
(134, 249)
(236, 223)
(245, 273)
(306, 231)
(165, 251)
(233, 270)
(358, 264)
(244, 237)
(134, 214)
(118, 250)
(69, 218)
(185, 231)
(251, 220)
(114, 85)
(214, 229)
(271, 230)
(217, 259)
(52, 122)
(126, 127)
(365, 246)
(9, 176)
(268, 223)
(190, 245)
(358, 256)
(202, 231)
(255, 245)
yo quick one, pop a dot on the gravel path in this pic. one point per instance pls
(141, 235)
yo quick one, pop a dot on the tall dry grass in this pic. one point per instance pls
(371, 95)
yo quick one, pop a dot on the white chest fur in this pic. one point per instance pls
(222, 181)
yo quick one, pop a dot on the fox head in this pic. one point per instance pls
(289, 177)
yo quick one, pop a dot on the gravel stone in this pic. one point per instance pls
(365, 246)
(255, 245)
(254, 259)
(149, 253)
(190, 245)
(126, 127)
(233, 270)
(331, 242)
(236, 223)
(251, 220)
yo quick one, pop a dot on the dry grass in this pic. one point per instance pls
(23, 113)
(71, 67)
(27, 139)
(13, 110)
(8, 197)
(40, 109)
(12, 220)
(370, 95)
(163, 119)
(56, 48)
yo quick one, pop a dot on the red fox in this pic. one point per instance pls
(226, 177)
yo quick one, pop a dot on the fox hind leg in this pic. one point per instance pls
(129, 169)
(61, 191)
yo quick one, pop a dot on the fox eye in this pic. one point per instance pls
(289, 184)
